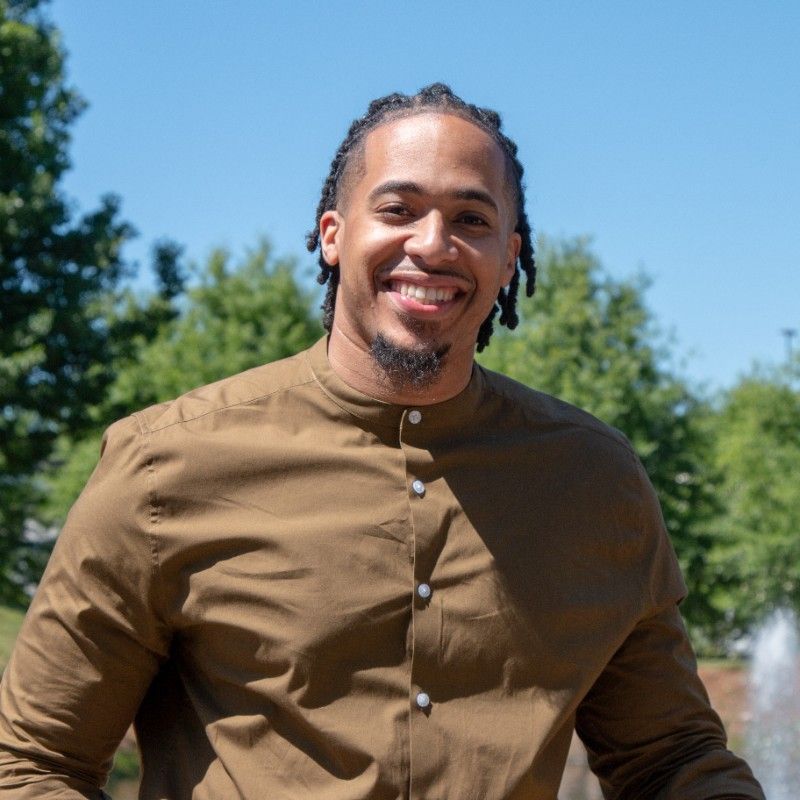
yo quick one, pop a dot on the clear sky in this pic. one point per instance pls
(667, 131)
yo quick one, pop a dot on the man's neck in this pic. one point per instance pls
(355, 365)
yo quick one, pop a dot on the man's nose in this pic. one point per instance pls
(431, 240)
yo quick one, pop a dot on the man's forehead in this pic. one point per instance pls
(410, 132)
(399, 142)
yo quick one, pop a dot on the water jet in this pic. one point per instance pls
(773, 732)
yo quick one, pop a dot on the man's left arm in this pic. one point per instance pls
(648, 725)
(647, 722)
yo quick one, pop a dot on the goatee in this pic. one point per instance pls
(405, 367)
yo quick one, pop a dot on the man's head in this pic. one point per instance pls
(435, 98)
(424, 205)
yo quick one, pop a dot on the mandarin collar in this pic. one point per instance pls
(449, 414)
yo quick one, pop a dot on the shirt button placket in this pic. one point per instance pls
(423, 699)
(426, 510)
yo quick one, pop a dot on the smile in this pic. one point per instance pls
(423, 294)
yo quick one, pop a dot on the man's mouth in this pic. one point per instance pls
(428, 295)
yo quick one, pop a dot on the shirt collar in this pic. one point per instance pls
(450, 414)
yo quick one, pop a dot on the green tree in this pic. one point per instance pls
(758, 454)
(591, 340)
(54, 273)
(234, 317)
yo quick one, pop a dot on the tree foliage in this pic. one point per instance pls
(235, 317)
(54, 272)
(758, 454)
(591, 340)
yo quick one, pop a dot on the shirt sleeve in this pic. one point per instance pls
(92, 639)
(647, 723)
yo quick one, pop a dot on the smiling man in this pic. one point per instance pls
(373, 571)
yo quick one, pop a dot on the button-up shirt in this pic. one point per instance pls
(300, 592)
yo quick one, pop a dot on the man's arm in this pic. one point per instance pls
(649, 728)
(91, 642)
(647, 722)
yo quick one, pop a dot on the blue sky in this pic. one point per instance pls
(668, 132)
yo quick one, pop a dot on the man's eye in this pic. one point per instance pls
(472, 219)
(395, 210)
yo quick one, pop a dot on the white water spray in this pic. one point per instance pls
(773, 736)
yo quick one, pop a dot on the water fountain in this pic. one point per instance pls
(773, 736)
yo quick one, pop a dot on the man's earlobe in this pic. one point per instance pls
(330, 224)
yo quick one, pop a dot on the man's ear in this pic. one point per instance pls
(512, 254)
(330, 223)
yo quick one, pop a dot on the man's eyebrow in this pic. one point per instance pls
(409, 187)
(476, 194)
(395, 187)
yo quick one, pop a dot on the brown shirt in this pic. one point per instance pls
(300, 592)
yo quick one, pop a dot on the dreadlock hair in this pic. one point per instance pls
(438, 97)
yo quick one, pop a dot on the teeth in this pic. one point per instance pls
(428, 294)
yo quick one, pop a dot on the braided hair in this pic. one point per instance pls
(437, 97)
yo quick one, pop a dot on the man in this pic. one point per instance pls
(373, 570)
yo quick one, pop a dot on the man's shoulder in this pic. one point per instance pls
(538, 412)
(238, 390)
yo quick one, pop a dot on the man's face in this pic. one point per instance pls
(424, 236)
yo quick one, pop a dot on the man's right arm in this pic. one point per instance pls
(92, 639)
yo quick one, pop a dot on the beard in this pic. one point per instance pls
(405, 367)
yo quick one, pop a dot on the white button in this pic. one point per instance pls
(423, 701)
(424, 591)
(419, 487)
(414, 416)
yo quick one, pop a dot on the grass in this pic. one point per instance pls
(10, 621)
(125, 775)
(724, 663)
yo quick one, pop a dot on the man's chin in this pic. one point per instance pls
(409, 367)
